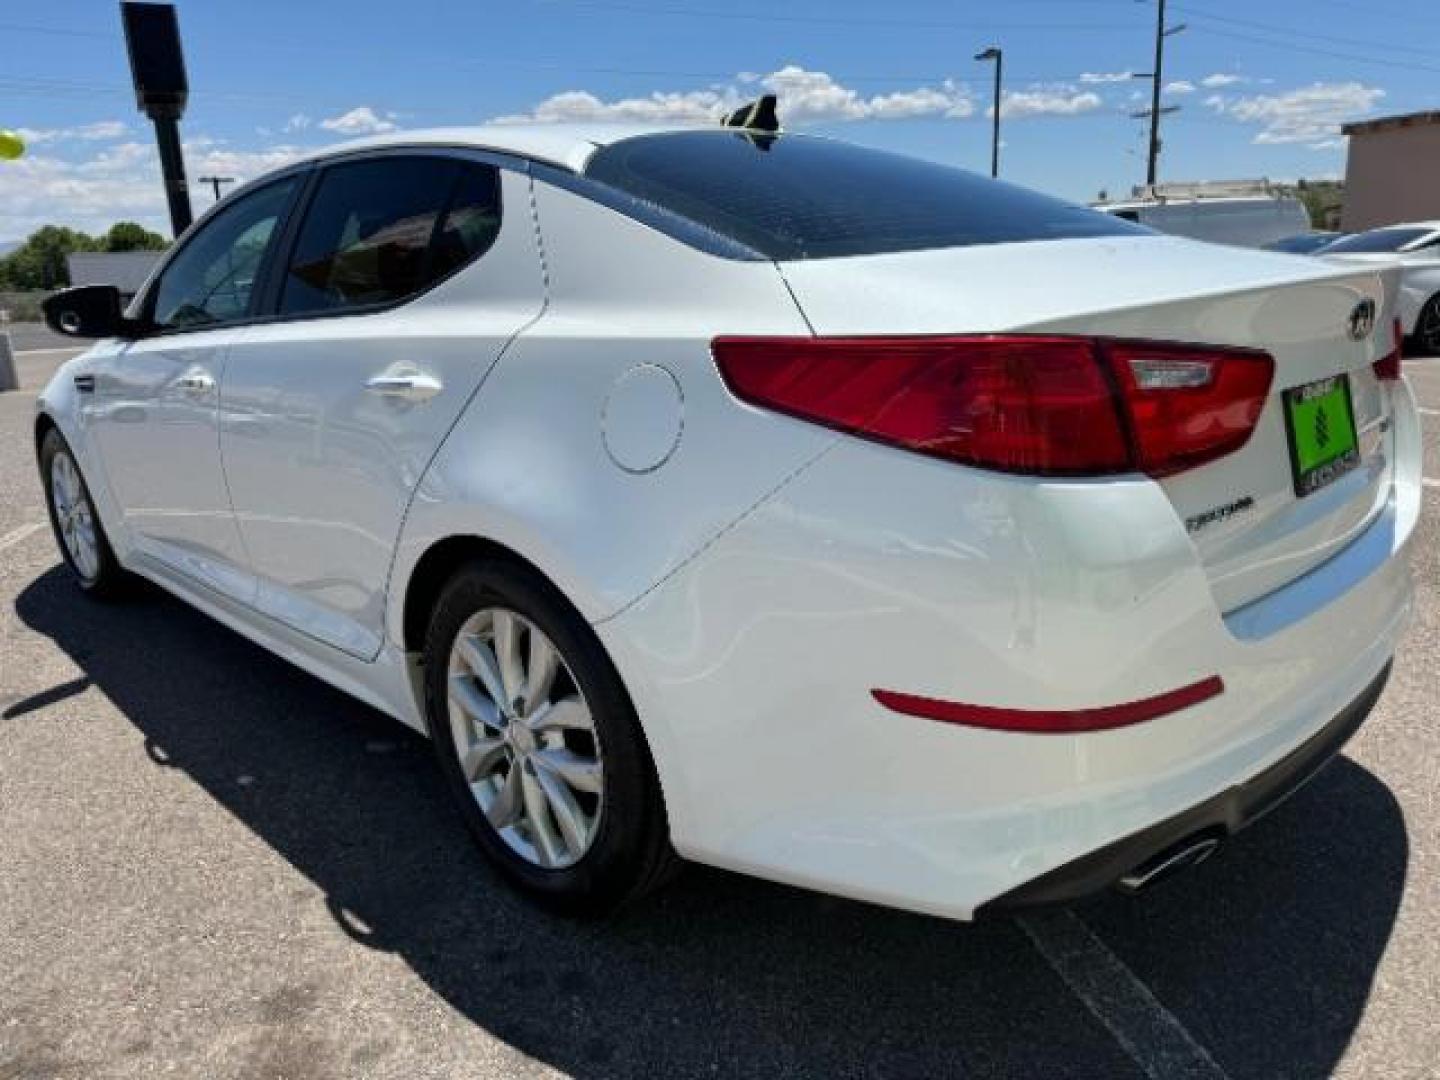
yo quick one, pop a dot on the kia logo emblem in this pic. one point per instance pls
(1362, 320)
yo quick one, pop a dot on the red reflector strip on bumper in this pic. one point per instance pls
(1052, 721)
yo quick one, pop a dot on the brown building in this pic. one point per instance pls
(1392, 172)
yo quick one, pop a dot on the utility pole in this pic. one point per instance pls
(215, 182)
(1157, 81)
(998, 55)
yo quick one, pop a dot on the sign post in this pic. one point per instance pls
(152, 38)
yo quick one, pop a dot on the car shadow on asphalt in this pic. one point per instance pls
(1266, 953)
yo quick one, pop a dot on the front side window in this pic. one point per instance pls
(798, 197)
(211, 279)
(382, 230)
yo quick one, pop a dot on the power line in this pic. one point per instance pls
(60, 31)
(1387, 62)
(837, 20)
(1272, 28)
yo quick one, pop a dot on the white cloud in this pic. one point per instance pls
(99, 131)
(1093, 77)
(121, 157)
(299, 121)
(1059, 101)
(120, 182)
(689, 107)
(41, 190)
(1312, 114)
(362, 120)
(805, 97)
(1220, 78)
(1180, 86)
(242, 164)
(814, 95)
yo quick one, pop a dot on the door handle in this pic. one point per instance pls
(195, 382)
(409, 386)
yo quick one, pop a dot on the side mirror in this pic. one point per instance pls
(88, 311)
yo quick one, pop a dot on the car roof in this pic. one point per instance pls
(566, 145)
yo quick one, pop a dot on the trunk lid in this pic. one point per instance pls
(1251, 530)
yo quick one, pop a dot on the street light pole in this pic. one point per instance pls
(998, 55)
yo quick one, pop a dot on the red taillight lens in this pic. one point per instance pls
(1040, 405)
(1188, 405)
(1388, 367)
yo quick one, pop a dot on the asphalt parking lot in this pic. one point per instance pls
(212, 865)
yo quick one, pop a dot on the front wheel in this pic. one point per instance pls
(78, 531)
(539, 743)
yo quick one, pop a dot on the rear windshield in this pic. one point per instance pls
(1379, 240)
(796, 197)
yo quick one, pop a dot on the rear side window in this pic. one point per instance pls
(379, 231)
(796, 197)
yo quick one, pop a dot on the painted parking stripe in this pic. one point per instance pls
(46, 352)
(1430, 483)
(24, 532)
(1115, 995)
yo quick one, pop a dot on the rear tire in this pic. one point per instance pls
(559, 791)
(1426, 339)
(79, 533)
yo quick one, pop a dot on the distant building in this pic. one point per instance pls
(126, 270)
(1392, 172)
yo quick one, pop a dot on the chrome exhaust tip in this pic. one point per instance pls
(1189, 852)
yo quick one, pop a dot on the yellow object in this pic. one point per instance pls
(11, 145)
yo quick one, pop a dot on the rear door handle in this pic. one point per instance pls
(408, 386)
(195, 382)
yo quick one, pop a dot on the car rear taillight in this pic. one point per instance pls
(1388, 367)
(1033, 404)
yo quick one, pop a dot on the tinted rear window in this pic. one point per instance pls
(1377, 240)
(793, 197)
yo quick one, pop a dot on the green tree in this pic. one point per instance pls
(39, 263)
(129, 236)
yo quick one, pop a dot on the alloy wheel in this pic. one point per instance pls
(74, 515)
(525, 738)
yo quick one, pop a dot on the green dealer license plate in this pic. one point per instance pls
(1321, 427)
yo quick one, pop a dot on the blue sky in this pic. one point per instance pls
(1262, 87)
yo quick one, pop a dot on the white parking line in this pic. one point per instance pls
(1427, 412)
(14, 536)
(45, 352)
(1430, 483)
(1116, 996)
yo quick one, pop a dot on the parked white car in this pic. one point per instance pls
(1415, 248)
(1250, 221)
(788, 506)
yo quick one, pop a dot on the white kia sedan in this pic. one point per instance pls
(765, 501)
(1415, 249)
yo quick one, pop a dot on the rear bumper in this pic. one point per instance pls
(1228, 812)
(752, 670)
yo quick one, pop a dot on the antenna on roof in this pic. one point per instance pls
(758, 115)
